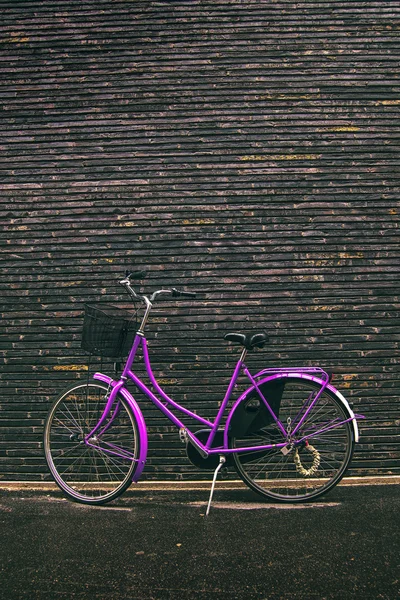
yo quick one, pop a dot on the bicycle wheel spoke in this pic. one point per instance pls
(64, 454)
(116, 451)
(107, 458)
(71, 465)
(71, 418)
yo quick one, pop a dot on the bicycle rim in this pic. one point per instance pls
(309, 468)
(101, 471)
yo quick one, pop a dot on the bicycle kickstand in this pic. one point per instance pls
(222, 461)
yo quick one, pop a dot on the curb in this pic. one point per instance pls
(191, 485)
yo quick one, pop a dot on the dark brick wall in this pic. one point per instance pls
(244, 150)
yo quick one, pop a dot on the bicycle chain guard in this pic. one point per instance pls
(212, 461)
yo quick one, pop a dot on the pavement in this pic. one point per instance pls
(157, 544)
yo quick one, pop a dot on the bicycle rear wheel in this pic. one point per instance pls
(321, 452)
(101, 471)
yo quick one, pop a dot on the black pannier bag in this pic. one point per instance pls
(251, 415)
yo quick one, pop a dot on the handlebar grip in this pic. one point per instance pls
(177, 294)
(135, 274)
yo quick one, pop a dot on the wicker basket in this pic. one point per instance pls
(108, 331)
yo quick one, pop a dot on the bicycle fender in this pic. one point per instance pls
(276, 376)
(139, 418)
(347, 406)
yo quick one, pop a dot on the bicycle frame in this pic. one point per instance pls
(207, 448)
(280, 433)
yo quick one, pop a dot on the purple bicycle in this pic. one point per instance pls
(290, 435)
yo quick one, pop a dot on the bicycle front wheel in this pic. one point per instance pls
(99, 470)
(320, 452)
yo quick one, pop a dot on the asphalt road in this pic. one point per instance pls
(158, 545)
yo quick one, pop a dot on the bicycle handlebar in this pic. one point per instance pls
(178, 293)
(140, 275)
(174, 293)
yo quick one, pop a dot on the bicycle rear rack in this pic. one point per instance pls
(324, 375)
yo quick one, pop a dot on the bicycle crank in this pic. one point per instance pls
(211, 462)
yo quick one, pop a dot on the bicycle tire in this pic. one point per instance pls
(98, 473)
(315, 471)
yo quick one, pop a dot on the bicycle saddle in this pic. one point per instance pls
(248, 340)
